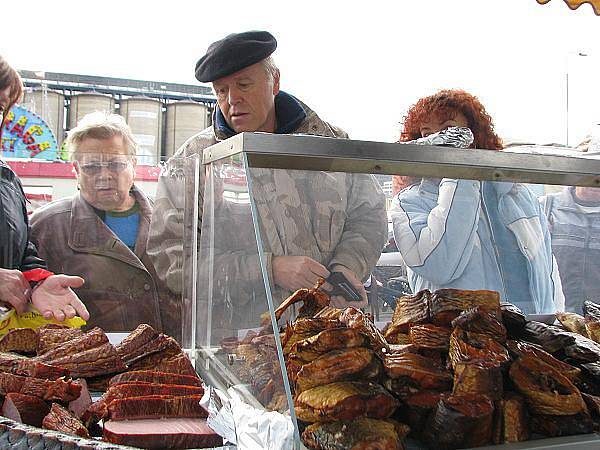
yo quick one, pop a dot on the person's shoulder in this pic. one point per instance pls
(142, 198)
(314, 125)
(55, 210)
(410, 191)
(197, 143)
(419, 195)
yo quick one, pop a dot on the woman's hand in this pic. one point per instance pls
(14, 289)
(54, 297)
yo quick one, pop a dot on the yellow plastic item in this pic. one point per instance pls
(9, 319)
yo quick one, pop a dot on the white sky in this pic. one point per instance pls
(360, 65)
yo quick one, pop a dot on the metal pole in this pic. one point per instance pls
(567, 76)
(567, 88)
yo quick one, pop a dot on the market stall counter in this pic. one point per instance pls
(465, 361)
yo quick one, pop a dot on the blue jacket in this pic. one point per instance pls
(442, 230)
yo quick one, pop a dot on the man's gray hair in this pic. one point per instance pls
(270, 67)
(100, 125)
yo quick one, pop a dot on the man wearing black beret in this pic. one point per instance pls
(312, 222)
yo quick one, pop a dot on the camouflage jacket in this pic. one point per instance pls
(334, 218)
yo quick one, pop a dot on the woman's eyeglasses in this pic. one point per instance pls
(94, 168)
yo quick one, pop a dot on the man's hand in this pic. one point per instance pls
(54, 297)
(14, 289)
(297, 272)
(340, 302)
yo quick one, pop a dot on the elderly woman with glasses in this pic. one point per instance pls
(100, 233)
(24, 276)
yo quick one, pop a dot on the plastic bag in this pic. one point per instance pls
(9, 319)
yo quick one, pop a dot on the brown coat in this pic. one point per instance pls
(121, 289)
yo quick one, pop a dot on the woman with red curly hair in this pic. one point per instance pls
(470, 234)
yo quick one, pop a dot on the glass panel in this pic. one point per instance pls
(92, 219)
(393, 236)
(173, 243)
(237, 346)
(573, 215)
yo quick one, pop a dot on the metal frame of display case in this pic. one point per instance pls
(277, 151)
(302, 152)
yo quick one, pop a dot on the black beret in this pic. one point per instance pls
(233, 53)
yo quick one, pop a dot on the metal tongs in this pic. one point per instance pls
(343, 287)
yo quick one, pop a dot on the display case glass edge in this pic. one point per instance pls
(302, 152)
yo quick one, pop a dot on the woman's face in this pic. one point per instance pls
(437, 123)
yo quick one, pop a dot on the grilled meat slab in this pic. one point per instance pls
(344, 400)
(572, 322)
(460, 421)
(332, 339)
(478, 377)
(430, 336)
(166, 362)
(555, 426)
(520, 348)
(411, 310)
(30, 367)
(155, 406)
(99, 409)
(423, 371)
(52, 336)
(25, 408)
(151, 376)
(337, 365)
(514, 320)
(416, 408)
(56, 390)
(467, 345)
(92, 362)
(545, 389)
(359, 434)
(60, 419)
(481, 321)
(92, 339)
(556, 341)
(19, 340)
(591, 314)
(445, 305)
(357, 320)
(511, 421)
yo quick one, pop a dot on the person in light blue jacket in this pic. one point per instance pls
(469, 234)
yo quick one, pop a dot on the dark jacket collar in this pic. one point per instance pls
(288, 110)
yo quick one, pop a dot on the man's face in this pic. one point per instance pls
(247, 99)
(105, 172)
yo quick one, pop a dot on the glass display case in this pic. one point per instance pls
(280, 213)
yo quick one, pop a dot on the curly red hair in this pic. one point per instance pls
(444, 105)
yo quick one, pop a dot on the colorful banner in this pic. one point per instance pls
(26, 135)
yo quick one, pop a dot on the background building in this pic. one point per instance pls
(161, 115)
